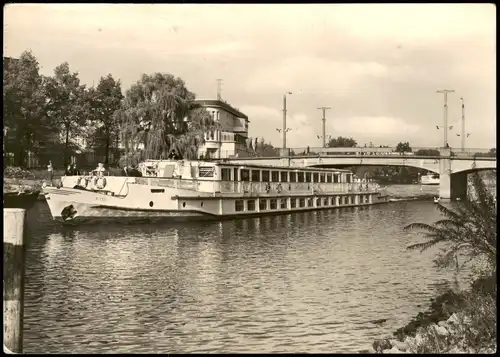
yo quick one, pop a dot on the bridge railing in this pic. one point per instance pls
(471, 152)
(332, 152)
(374, 151)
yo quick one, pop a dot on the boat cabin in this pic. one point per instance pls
(224, 171)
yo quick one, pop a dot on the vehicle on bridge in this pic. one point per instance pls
(182, 189)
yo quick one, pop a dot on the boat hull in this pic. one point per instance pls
(74, 206)
(429, 180)
(72, 211)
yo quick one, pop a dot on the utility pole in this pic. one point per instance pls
(219, 89)
(324, 109)
(284, 119)
(445, 128)
(463, 123)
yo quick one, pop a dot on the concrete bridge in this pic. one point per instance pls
(453, 167)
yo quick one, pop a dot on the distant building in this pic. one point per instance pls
(232, 137)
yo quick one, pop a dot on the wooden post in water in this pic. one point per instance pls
(13, 279)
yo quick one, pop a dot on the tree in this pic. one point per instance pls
(25, 122)
(160, 113)
(342, 142)
(403, 147)
(491, 153)
(67, 104)
(105, 101)
(427, 152)
(264, 149)
(469, 229)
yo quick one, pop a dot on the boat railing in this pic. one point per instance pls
(246, 187)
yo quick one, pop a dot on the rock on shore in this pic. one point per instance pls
(445, 337)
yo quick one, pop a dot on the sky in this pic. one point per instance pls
(377, 67)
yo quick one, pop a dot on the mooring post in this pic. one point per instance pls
(13, 279)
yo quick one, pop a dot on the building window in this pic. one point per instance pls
(308, 177)
(318, 202)
(300, 176)
(235, 174)
(336, 178)
(283, 203)
(322, 177)
(263, 205)
(293, 177)
(284, 176)
(333, 201)
(302, 202)
(275, 176)
(226, 174)
(348, 178)
(309, 202)
(251, 205)
(328, 178)
(325, 201)
(274, 203)
(265, 176)
(293, 203)
(255, 175)
(316, 177)
(238, 205)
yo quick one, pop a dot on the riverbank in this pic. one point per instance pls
(463, 322)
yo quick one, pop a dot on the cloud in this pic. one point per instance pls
(412, 22)
(377, 126)
(310, 74)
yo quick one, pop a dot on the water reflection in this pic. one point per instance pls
(309, 281)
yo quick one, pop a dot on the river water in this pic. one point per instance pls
(303, 282)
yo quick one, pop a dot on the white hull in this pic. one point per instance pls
(429, 180)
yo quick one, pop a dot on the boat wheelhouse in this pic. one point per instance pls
(206, 190)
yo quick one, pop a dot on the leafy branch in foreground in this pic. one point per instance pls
(468, 229)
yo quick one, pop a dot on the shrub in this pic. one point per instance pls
(17, 173)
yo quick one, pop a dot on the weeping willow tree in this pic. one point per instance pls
(160, 113)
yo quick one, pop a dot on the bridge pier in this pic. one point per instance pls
(445, 173)
(459, 185)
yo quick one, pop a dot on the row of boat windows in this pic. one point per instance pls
(281, 176)
(302, 202)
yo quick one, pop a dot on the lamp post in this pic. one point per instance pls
(324, 109)
(284, 119)
(445, 127)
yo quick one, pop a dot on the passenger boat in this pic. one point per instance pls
(205, 190)
(431, 179)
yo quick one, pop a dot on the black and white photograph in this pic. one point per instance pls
(249, 178)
